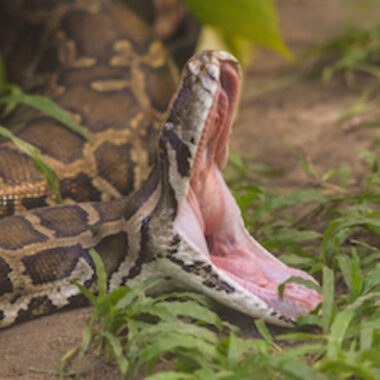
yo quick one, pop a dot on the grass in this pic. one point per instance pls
(354, 55)
(330, 231)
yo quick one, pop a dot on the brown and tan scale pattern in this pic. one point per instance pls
(99, 62)
(97, 59)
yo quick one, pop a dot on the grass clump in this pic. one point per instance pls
(336, 239)
(355, 55)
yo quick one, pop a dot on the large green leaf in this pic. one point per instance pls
(254, 20)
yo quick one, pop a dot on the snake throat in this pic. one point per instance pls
(211, 221)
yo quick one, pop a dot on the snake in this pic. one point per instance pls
(147, 192)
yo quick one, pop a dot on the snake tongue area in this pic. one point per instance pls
(211, 222)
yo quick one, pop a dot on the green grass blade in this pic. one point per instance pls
(3, 80)
(328, 298)
(337, 333)
(86, 292)
(298, 280)
(348, 370)
(170, 375)
(65, 359)
(42, 166)
(297, 370)
(100, 273)
(193, 310)
(356, 275)
(263, 330)
(49, 107)
(118, 351)
(345, 267)
(304, 163)
(366, 337)
(86, 340)
(173, 341)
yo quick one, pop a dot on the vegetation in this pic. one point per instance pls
(355, 54)
(239, 24)
(336, 239)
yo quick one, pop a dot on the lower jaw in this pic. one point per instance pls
(246, 264)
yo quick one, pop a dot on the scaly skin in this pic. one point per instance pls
(179, 220)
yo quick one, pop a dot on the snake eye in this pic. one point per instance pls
(168, 129)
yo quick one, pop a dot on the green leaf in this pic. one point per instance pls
(41, 165)
(328, 298)
(298, 280)
(195, 311)
(3, 80)
(86, 292)
(100, 274)
(64, 360)
(371, 159)
(86, 340)
(293, 236)
(118, 351)
(296, 197)
(338, 332)
(298, 336)
(332, 227)
(339, 366)
(294, 369)
(172, 341)
(262, 328)
(254, 20)
(9, 107)
(138, 291)
(345, 267)
(356, 275)
(373, 279)
(305, 164)
(169, 375)
(366, 336)
(49, 107)
(238, 163)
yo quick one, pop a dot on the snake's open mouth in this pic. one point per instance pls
(210, 218)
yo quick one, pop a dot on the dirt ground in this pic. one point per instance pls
(303, 115)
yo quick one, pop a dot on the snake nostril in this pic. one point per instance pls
(212, 72)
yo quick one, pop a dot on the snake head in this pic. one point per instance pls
(210, 249)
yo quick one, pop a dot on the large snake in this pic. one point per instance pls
(147, 193)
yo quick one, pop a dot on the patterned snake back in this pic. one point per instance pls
(99, 62)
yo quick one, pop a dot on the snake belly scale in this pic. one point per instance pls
(147, 193)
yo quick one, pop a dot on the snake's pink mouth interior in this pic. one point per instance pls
(211, 219)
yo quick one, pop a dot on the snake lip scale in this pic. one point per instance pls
(180, 221)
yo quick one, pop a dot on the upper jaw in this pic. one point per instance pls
(211, 250)
(240, 272)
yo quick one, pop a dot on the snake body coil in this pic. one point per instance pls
(147, 192)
